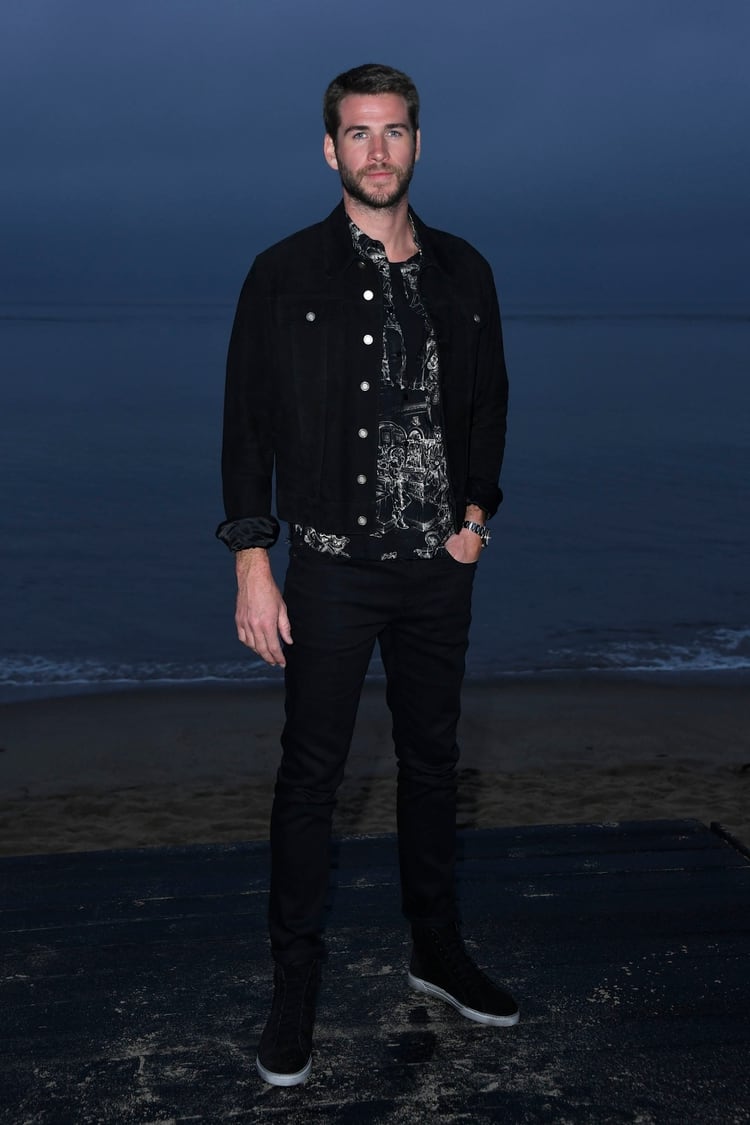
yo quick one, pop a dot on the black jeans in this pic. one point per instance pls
(419, 611)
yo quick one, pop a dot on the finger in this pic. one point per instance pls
(268, 646)
(256, 642)
(285, 628)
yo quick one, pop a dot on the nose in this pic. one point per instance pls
(378, 148)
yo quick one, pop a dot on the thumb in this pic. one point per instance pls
(285, 629)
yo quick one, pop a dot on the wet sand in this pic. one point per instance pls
(196, 765)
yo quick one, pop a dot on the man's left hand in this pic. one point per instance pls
(464, 547)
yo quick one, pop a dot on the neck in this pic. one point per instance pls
(389, 225)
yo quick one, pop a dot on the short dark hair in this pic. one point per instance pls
(371, 78)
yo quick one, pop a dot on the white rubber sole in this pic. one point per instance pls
(274, 1079)
(486, 1018)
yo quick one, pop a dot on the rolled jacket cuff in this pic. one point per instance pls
(489, 498)
(253, 531)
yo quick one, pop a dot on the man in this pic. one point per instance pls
(366, 367)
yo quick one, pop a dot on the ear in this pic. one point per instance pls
(329, 152)
(417, 144)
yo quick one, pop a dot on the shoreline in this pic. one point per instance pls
(196, 764)
(17, 693)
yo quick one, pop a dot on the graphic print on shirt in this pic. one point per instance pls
(412, 496)
(322, 541)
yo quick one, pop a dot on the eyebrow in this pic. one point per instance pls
(367, 128)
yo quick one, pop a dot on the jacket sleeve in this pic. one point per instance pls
(247, 458)
(489, 408)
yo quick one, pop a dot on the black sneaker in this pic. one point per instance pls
(440, 966)
(285, 1051)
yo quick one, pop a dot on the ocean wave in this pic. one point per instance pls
(30, 671)
(704, 650)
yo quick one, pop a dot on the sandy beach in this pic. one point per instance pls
(196, 765)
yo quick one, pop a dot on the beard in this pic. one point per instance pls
(379, 198)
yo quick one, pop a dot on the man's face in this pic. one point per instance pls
(375, 149)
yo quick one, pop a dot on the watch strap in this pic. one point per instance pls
(479, 529)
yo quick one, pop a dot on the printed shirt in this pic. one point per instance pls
(413, 514)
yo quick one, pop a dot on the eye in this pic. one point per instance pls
(395, 133)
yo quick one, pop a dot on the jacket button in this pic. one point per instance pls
(361, 265)
(361, 479)
(364, 385)
(368, 294)
(362, 433)
(361, 520)
(310, 316)
(477, 318)
(367, 338)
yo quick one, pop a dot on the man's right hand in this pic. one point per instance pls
(261, 617)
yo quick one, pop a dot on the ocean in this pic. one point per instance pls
(621, 548)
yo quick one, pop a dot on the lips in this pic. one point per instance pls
(374, 173)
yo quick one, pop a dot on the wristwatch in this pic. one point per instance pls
(479, 529)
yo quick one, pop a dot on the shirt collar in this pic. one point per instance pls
(340, 252)
(370, 248)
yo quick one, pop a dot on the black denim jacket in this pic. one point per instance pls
(302, 379)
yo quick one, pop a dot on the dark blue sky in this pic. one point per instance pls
(593, 149)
